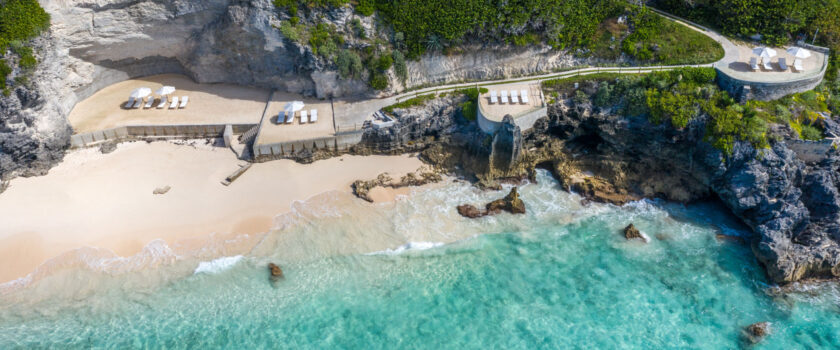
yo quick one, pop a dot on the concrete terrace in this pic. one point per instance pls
(272, 131)
(738, 66)
(208, 104)
(497, 111)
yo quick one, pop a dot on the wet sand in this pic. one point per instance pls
(107, 200)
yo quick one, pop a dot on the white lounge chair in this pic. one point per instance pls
(524, 96)
(149, 103)
(797, 65)
(129, 103)
(304, 117)
(754, 64)
(162, 103)
(184, 101)
(514, 97)
(137, 103)
(290, 117)
(783, 64)
(174, 103)
(494, 98)
(504, 97)
(767, 65)
(313, 116)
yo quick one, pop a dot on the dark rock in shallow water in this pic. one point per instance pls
(757, 331)
(631, 232)
(276, 271)
(727, 238)
(470, 211)
(510, 203)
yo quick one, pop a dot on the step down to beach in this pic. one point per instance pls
(236, 174)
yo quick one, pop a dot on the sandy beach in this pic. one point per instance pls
(107, 200)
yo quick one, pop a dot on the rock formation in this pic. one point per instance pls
(421, 177)
(511, 203)
(756, 332)
(275, 270)
(631, 232)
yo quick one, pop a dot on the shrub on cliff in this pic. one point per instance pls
(21, 20)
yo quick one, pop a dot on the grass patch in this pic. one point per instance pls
(412, 102)
(666, 42)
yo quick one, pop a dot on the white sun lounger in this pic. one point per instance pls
(524, 96)
(514, 97)
(290, 117)
(129, 103)
(149, 103)
(137, 103)
(494, 98)
(754, 64)
(783, 64)
(797, 65)
(767, 65)
(162, 103)
(504, 97)
(313, 116)
(174, 103)
(184, 101)
(304, 117)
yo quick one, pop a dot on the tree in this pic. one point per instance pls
(400, 67)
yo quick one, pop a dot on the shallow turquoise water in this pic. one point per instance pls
(537, 281)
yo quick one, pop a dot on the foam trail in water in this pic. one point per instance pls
(217, 265)
(410, 246)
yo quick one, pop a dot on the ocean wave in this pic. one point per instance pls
(217, 265)
(410, 246)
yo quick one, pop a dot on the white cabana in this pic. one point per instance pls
(293, 106)
(799, 52)
(165, 90)
(140, 93)
(764, 52)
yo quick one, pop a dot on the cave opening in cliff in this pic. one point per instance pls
(586, 143)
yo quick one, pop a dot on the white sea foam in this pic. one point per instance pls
(217, 265)
(410, 246)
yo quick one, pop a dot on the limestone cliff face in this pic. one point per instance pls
(95, 43)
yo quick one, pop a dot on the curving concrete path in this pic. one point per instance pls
(350, 115)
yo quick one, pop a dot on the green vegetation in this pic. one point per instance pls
(412, 102)
(468, 110)
(657, 39)
(400, 67)
(681, 96)
(21, 20)
(5, 70)
(349, 64)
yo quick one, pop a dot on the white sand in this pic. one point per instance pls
(106, 201)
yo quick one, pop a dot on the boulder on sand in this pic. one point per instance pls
(511, 204)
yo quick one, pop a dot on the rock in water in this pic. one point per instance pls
(757, 331)
(276, 271)
(469, 211)
(631, 232)
(511, 204)
(161, 190)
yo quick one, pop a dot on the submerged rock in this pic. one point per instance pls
(757, 331)
(631, 232)
(470, 211)
(276, 271)
(727, 238)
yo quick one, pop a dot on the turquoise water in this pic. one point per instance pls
(561, 276)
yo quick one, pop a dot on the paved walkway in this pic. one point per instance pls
(350, 115)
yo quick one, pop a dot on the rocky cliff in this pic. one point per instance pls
(95, 43)
(791, 204)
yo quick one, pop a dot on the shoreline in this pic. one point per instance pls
(106, 200)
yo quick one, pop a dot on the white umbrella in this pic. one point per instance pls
(294, 106)
(141, 92)
(166, 90)
(764, 52)
(799, 52)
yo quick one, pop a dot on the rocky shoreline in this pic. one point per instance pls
(791, 205)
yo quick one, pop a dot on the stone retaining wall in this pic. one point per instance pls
(524, 121)
(338, 142)
(810, 152)
(155, 131)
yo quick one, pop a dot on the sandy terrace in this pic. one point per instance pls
(273, 132)
(208, 104)
(497, 111)
(741, 67)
